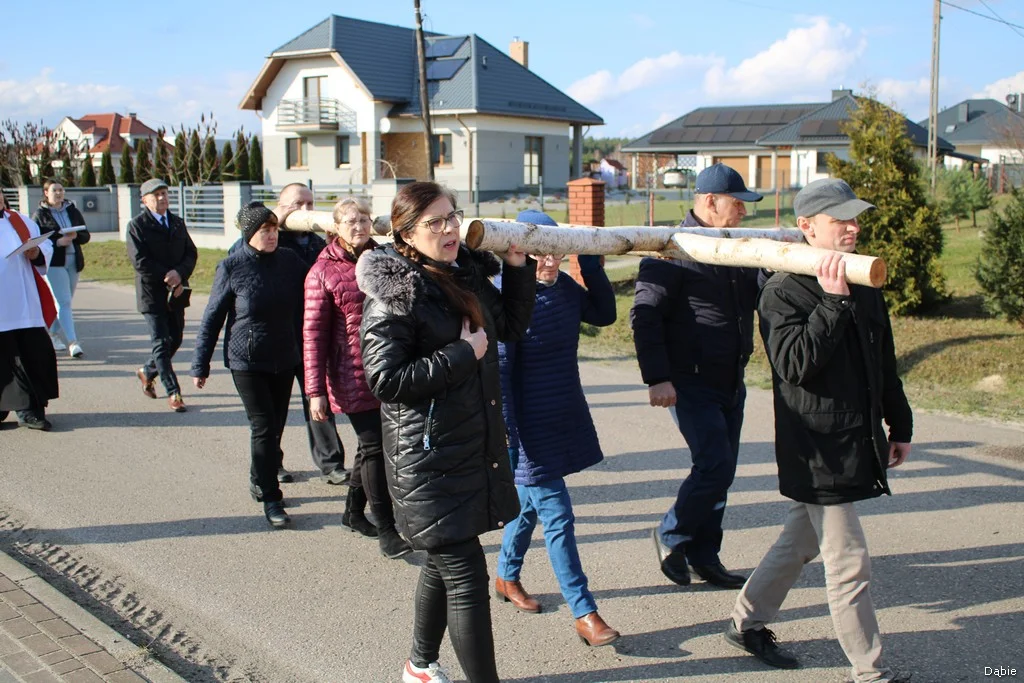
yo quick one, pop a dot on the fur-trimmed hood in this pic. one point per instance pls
(399, 284)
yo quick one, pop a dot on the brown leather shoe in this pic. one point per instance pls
(176, 403)
(148, 385)
(593, 631)
(513, 591)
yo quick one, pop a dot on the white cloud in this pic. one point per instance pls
(812, 58)
(661, 70)
(1003, 87)
(46, 97)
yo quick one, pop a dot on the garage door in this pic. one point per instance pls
(739, 164)
(764, 173)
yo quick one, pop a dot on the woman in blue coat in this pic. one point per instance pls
(550, 431)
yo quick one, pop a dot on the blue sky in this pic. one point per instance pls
(636, 64)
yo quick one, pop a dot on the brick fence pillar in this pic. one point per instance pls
(586, 207)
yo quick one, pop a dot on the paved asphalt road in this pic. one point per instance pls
(148, 513)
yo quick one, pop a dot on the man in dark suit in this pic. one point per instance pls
(164, 257)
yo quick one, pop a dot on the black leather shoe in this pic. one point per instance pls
(337, 477)
(284, 476)
(717, 575)
(761, 644)
(276, 515)
(35, 422)
(672, 562)
(257, 495)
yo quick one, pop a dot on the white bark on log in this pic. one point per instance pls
(323, 221)
(757, 253)
(496, 236)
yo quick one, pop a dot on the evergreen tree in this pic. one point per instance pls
(5, 177)
(45, 165)
(88, 178)
(255, 161)
(67, 173)
(211, 165)
(160, 168)
(242, 157)
(107, 169)
(955, 194)
(1001, 264)
(193, 159)
(143, 166)
(127, 172)
(980, 193)
(905, 229)
(227, 163)
(24, 171)
(180, 155)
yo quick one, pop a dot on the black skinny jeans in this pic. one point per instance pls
(165, 331)
(452, 594)
(265, 396)
(368, 469)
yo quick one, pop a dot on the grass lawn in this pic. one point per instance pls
(957, 358)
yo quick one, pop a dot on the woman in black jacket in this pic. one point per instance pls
(257, 290)
(430, 322)
(68, 234)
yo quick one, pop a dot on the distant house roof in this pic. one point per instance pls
(719, 128)
(979, 122)
(614, 163)
(823, 126)
(101, 125)
(464, 73)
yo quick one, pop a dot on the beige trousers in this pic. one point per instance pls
(835, 532)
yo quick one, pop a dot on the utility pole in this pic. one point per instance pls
(933, 109)
(421, 58)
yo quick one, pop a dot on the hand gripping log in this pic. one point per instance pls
(781, 249)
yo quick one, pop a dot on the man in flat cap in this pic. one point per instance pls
(834, 380)
(693, 327)
(164, 256)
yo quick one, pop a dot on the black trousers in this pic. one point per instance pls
(265, 396)
(368, 469)
(452, 594)
(324, 443)
(28, 372)
(166, 329)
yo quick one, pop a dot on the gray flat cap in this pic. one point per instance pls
(151, 186)
(830, 196)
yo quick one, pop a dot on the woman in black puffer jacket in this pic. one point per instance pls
(431, 323)
(258, 290)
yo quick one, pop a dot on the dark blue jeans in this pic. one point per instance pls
(710, 422)
(165, 330)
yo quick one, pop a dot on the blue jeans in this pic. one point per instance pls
(710, 422)
(63, 282)
(549, 502)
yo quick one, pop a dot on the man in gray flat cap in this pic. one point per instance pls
(164, 257)
(834, 380)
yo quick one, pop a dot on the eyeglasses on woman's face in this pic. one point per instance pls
(361, 219)
(437, 224)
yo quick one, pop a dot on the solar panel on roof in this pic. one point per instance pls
(757, 117)
(742, 117)
(444, 47)
(443, 69)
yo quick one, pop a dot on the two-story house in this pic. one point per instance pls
(339, 105)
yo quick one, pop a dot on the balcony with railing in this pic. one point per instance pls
(314, 114)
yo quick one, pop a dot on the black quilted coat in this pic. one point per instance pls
(260, 296)
(446, 453)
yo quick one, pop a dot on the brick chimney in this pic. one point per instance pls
(519, 50)
(841, 93)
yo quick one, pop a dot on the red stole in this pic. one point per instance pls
(45, 295)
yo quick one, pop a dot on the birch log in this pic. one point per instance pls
(323, 221)
(759, 253)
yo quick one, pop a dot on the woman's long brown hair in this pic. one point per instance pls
(406, 210)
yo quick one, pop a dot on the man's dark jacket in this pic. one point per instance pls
(154, 251)
(446, 456)
(257, 298)
(693, 323)
(834, 379)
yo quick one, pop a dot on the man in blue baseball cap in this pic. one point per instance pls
(693, 327)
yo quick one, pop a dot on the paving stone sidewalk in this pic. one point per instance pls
(47, 638)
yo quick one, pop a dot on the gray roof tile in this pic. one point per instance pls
(988, 121)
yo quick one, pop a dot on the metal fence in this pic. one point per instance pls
(13, 200)
(324, 196)
(202, 206)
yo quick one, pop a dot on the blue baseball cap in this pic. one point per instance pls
(720, 179)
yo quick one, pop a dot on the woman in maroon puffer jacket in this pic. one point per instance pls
(334, 370)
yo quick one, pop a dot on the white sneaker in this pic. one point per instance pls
(58, 345)
(432, 674)
(75, 349)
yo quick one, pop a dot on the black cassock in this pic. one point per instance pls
(28, 369)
